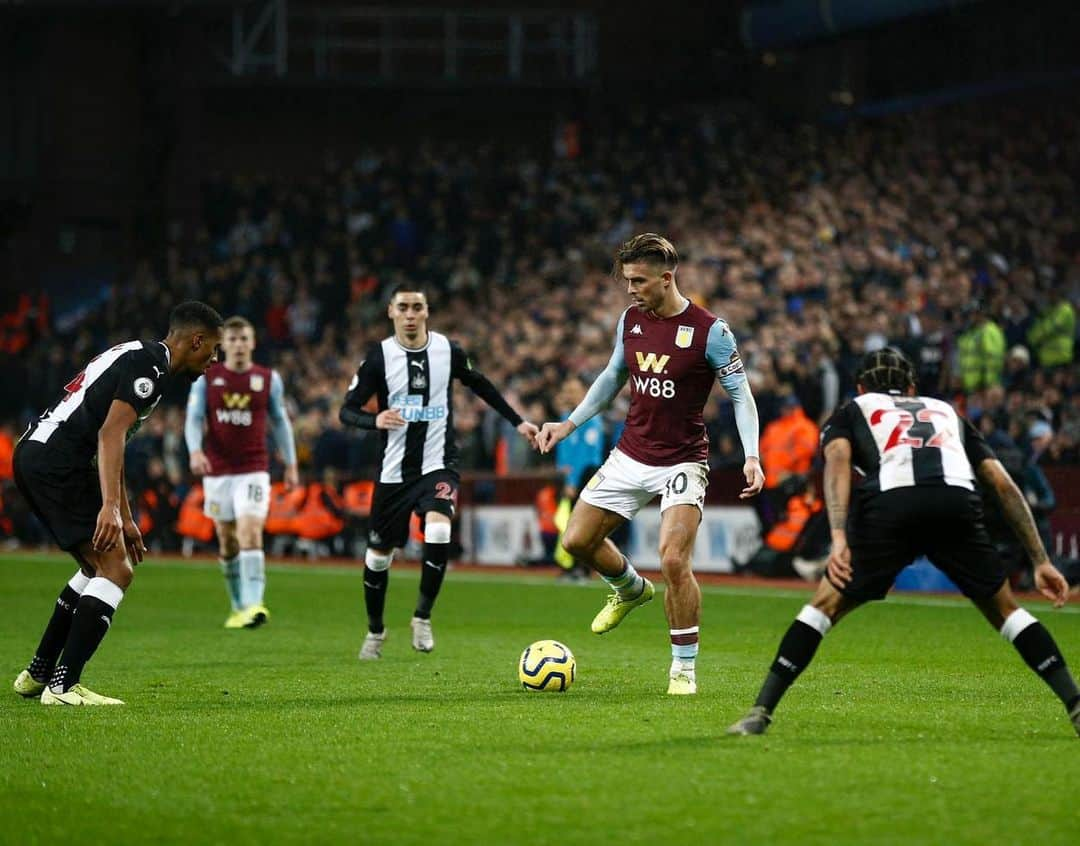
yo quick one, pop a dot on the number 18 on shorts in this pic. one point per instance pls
(243, 495)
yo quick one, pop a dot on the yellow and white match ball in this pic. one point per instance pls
(547, 665)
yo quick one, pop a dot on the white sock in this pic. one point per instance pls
(252, 577)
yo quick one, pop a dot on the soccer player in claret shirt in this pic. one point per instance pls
(921, 461)
(411, 374)
(671, 351)
(232, 404)
(69, 464)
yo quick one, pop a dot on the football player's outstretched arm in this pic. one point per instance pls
(461, 368)
(723, 356)
(837, 499)
(599, 396)
(193, 428)
(282, 429)
(1048, 579)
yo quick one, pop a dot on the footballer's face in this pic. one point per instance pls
(238, 345)
(409, 312)
(646, 283)
(203, 349)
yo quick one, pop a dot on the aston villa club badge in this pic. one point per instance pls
(257, 382)
(684, 337)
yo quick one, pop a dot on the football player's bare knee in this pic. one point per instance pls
(576, 544)
(114, 566)
(997, 608)
(582, 537)
(676, 569)
(249, 532)
(435, 517)
(831, 602)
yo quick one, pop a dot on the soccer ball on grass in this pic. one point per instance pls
(547, 665)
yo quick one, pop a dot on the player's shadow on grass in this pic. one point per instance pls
(850, 738)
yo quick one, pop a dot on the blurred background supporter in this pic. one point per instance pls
(847, 201)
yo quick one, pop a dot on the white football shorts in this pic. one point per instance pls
(242, 495)
(625, 486)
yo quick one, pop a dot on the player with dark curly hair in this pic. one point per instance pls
(921, 460)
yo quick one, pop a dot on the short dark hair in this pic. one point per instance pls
(193, 314)
(650, 247)
(408, 287)
(886, 371)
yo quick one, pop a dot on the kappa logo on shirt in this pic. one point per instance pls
(637, 330)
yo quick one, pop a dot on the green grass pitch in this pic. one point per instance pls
(916, 724)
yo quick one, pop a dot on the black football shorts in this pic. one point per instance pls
(66, 500)
(888, 531)
(394, 503)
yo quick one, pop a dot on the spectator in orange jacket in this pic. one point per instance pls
(801, 531)
(788, 446)
(7, 450)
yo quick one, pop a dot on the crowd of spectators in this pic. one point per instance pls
(952, 233)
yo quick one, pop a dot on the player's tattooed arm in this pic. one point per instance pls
(1015, 508)
(838, 483)
(837, 498)
(1048, 578)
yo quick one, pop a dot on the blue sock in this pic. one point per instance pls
(628, 584)
(253, 576)
(230, 567)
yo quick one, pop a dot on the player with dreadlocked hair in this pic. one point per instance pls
(920, 460)
(887, 371)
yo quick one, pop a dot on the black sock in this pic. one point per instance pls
(1037, 647)
(56, 634)
(796, 651)
(431, 577)
(89, 626)
(375, 582)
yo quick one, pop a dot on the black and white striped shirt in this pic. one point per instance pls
(134, 372)
(418, 383)
(900, 442)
